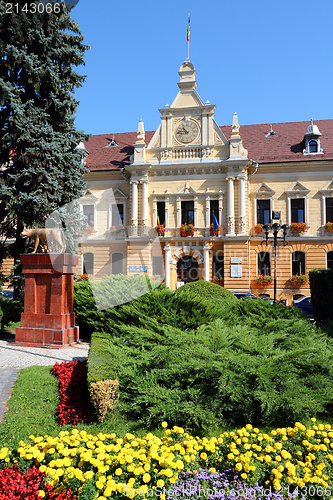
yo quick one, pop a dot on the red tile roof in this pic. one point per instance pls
(287, 145)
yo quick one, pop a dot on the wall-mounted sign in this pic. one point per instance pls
(180, 283)
(236, 260)
(236, 271)
(143, 268)
(132, 269)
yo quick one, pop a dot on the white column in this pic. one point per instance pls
(169, 131)
(207, 230)
(204, 130)
(154, 211)
(242, 220)
(206, 262)
(323, 210)
(134, 219)
(166, 225)
(210, 129)
(163, 132)
(179, 212)
(145, 206)
(220, 207)
(230, 206)
(167, 256)
(195, 212)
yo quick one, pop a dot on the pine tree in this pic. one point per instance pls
(41, 169)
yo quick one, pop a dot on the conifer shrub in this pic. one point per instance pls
(204, 364)
(206, 290)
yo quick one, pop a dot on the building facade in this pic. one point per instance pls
(187, 201)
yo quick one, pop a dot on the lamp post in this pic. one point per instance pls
(275, 228)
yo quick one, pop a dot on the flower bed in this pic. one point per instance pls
(15, 485)
(102, 466)
(74, 406)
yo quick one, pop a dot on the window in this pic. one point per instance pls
(264, 263)
(297, 210)
(158, 266)
(298, 263)
(117, 214)
(117, 263)
(218, 265)
(161, 212)
(214, 209)
(329, 260)
(89, 213)
(188, 212)
(88, 263)
(313, 146)
(263, 211)
(329, 209)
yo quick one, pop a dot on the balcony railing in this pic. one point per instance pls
(121, 233)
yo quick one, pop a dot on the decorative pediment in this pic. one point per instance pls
(328, 189)
(117, 193)
(263, 191)
(297, 189)
(220, 138)
(88, 197)
(187, 190)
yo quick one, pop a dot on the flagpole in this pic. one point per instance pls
(188, 38)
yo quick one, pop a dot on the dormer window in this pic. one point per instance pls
(313, 147)
(312, 140)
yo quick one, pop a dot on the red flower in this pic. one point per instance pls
(74, 405)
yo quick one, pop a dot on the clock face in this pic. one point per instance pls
(186, 131)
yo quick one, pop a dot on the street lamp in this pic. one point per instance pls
(275, 228)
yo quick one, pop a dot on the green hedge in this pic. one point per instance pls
(206, 290)
(321, 285)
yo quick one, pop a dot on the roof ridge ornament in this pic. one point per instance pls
(271, 133)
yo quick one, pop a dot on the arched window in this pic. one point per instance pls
(264, 263)
(313, 146)
(298, 263)
(88, 263)
(329, 256)
(117, 260)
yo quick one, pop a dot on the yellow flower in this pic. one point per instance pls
(203, 455)
(164, 424)
(41, 493)
(244, 475)
(160, 483)
(146, 478)
(118, 471)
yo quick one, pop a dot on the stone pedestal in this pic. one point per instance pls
(48, 318)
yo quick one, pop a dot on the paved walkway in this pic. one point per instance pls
(13, 358)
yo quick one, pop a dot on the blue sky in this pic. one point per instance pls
(269, 61)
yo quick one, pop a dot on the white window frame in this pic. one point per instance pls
(301, 192)
(262, 192)
(89, 199)
(117, 198)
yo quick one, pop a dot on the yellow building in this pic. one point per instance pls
(223, 181)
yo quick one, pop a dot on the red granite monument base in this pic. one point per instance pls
(48, 319)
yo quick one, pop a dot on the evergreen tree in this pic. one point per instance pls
(41, 169)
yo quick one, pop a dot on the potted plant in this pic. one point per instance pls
(298, 227)
(186, 230)
(160, 229)
(299, 280)
(217, 280)
(215, 232)
(328, 227)
(264, 280)
(88, 231)
(258, 229)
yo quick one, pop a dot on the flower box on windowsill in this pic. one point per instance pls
(264, 280)
(298, 228)
(258, 229)
(89, 232)
(186, 230)
(299, 280)
(328, 227)
(117, 232)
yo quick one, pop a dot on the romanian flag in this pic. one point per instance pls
(188, 29)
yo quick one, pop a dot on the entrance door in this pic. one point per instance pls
(187, 269)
